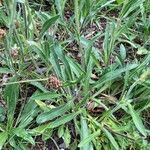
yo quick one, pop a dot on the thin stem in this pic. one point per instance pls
(25, 81)
(55, 143)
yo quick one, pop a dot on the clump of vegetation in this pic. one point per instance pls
(75, 74)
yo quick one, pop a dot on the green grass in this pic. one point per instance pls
(76, 72)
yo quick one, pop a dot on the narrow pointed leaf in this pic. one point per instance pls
(47, 24)
(84, 134)
(63, 120)
(46, 96)
(89, 138)
(53, 113)
(137, 121)
(111, 138)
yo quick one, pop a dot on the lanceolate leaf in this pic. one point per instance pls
(39, 130)
(89, 138)
(63, 120)
(60, 121)
(84, 134)
(11, 96)
(53, 113)
(39, 86)
(114, 74)
(47, 24)
(24, 134)
(137, 120)
(111, 138)
(46, 96)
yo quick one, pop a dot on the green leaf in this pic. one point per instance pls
(61, 131)
(11, 94)
(24, 135)
(54, 60)
(39, 86)
(114, 74)
(12, 142)
(119, 1)
(74, 66)
(4, 70)
(63, 120)
(3, 138)
(60, 54)
(60, 5)
(39, 130)
(46, 96)
(122, 51)
(47, 134)
(88, 75)
(47, 24)
(137, 120)
(22, 146)
(53, 113)
(111, 138)
(89, 138)
(67, 137)
(129, 7)
(42, 105)
(84, 134)
(29, 112)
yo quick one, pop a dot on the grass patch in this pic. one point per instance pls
(75, 74)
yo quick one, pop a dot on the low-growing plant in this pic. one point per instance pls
(75, 72)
